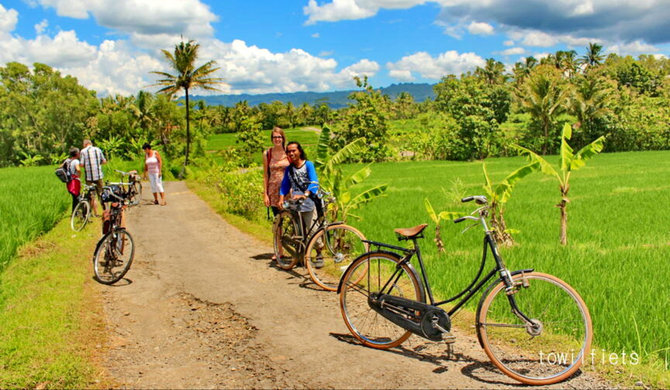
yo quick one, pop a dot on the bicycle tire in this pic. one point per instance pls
(553, 347)
(80, 215)
(366, 275)
(287, 240)
(113, 256)
(331, 251)
(137, 193)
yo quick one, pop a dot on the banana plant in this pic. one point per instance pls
(569, 162)
(437, 219)
(498, 195)
(333, 180)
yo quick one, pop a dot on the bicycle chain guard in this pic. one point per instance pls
(417, 317)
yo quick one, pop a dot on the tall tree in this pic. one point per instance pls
(544, 96)
(187, 77)
(594, 55)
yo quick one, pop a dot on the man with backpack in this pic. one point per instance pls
(92, 160)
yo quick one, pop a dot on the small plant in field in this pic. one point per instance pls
(498, 195)
(569, 162)
(30, 161)
(438, 218)
(333, 180)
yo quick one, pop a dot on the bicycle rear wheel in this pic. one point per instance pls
(330, 252)
(80, 215)
(137, 193)
(368, 274)
(287, 240)
(113, 256)
(546, 350)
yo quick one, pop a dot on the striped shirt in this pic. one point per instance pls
(92, 159)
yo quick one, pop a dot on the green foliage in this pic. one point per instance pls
(569, 162)
(366, 118)
(249, 138)
(478, 105)
(333, 180)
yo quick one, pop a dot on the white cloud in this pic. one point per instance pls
(352, 9)
(41, 26)
(634, 48)
(509, 43)
(480, 28)
(513, 51)
(8, 19)
(315, 35)
(450, 62)
(402, 75)
(190, 18)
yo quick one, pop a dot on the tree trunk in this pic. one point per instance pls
(438, 238)
(499, 227)
(563, 205)
(188, 129)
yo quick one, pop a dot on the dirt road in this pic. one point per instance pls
(202, 307)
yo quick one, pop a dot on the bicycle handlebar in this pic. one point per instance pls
(479, 199)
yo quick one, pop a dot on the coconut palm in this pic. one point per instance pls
(593, 56)
(187, 77)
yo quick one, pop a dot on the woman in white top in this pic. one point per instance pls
(153, 166)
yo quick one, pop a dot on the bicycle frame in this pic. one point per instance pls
(475, 285)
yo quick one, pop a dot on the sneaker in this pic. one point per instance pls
(318, 262)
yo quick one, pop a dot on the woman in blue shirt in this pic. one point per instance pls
(300, 179)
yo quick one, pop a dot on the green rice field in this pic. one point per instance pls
(307, 137)
(618, 242)
(32, 200)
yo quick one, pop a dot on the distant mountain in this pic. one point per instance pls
(335, 99)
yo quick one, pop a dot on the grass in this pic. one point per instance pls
(617, 251)
(32, 200)
(50, 313)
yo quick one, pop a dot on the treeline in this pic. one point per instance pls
(474, 115)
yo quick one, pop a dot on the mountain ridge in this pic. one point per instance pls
(334, 99)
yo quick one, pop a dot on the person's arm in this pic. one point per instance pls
(313, 186)
(285, 187)
(266, 195)
(102, 157)
(160, 163)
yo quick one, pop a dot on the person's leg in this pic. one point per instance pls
(154, 187)
(159, 187)
(94, 196)
(75, 201)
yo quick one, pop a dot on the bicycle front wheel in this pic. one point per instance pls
(113, 256)
(331, 251)
(287, 240)
(552, 345)
(80, 215)
(367, 275)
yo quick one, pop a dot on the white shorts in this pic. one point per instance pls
(156, 182)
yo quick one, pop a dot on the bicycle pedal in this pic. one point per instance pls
(448, 338)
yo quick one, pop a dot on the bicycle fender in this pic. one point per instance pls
(486, 293)
(422, 292)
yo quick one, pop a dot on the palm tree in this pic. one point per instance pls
(593, 56)
(187, 77)
(492, 73)
(545, 98)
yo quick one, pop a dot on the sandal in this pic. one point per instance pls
(155, 202)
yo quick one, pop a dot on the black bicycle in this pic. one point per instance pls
(82, 211)
(327, 248)
(132, 187)
(114, 252)
(533, 326)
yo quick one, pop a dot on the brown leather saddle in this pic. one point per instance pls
(410, 232)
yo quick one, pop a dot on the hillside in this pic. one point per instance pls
(334, 99)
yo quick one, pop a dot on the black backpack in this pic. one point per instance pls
(63, 171)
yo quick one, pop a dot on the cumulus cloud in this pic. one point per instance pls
(513, 51)
(427, 66)
(8, 19)
(251, 69)
(41, 26)
(625, 20)
(480, 28)
(352, 9)
(190, 18)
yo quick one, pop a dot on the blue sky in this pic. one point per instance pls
(309, 45)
